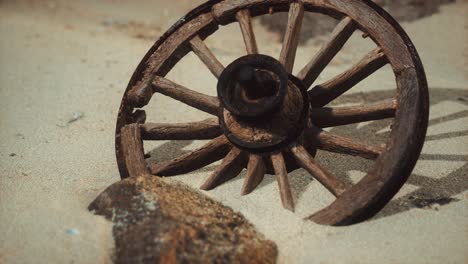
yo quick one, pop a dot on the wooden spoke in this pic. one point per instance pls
(245, 22)
(213, 151)
(255, 172)
(333, 143)
(282, 177)
(306, 161)
(330, 117)
(198, 100)
(339, 36)
(206, 56)
(291, 37)
(231, 166)
(206, 129)
(133, 150)
(325, 93)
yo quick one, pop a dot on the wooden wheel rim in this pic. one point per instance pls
(392, 168)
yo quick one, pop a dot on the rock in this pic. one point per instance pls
(75, 117)
(160, 222)
(428, 201)
(72, 231)
(20, 136)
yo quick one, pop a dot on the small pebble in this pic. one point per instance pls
(12, 154)
(76, 116)
(435, 206)
(20, 136)
(72, 231)
(114, 22)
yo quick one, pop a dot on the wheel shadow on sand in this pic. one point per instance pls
(431, 191)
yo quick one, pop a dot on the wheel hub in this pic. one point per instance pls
(263, 107)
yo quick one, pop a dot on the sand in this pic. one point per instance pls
(62, 61)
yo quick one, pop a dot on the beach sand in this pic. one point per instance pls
(63, 69)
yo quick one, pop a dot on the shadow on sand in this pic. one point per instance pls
(431, 192)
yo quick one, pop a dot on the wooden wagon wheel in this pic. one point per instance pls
(267, 120)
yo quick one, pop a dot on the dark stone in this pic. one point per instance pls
(160, 222)
(426, 201)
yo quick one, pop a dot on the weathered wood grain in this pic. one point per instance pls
(225, 11)
(167, 55)
(306, 161)
(342, 32)
(279, 166)
(327, 141)
(205, 103)
(280, 126)
(231, 166)
(133, 150)
(140, 95)
(338, 116)
(292, 35)
(255, 172)
(206, 129)
(213, 151)
(245, 23)
(392, 167)
(325, 93)
(206, 56)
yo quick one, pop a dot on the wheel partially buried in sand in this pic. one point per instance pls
(267, 120)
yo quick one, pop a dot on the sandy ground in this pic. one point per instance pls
(61, 60)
